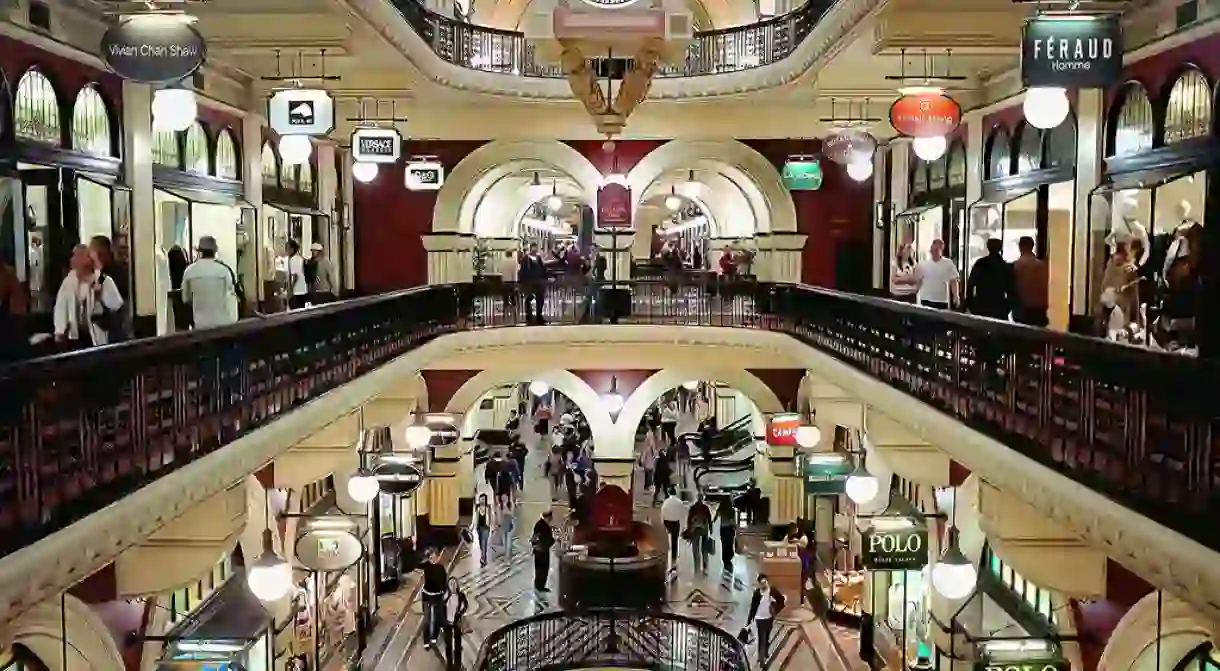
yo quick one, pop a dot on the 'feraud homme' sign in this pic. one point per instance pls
(1073, 52)
(895, 544)
(1027, 665)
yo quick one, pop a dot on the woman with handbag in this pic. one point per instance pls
(88, 307)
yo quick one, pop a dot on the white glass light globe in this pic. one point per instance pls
(1046, 107)
(363, 486)
(930, 148)
(860, 169)
(613, 401)
(539, 388)
(364, 172)
(269, 578)
(862, 486)
(174, 109)
(808, 436)
(553, 203)
(295, 149)
(690, 385)
(954, 576)
(672, 203)
(418, 436)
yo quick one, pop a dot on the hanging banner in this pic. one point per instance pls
(376, 145)
(1072, 52)
(614, 206)
(802, 173)
(825, 474)
(929, 114)
(301, 112)
(424, 175)
(153, 48)
(328, 544)
(781, 429)
(849, 145)
(895, 544)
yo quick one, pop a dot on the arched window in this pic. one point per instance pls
(957, 164)
(36, 110)
(196, 158)
(1188, 114)
(226, 156)
(1059, 144)
(305, 178)
(1029, 149)
(999, 154)
(271, 165)
(937, 173)
(1133, 123)
(91, 123)
(165, 149)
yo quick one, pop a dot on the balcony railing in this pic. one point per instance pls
(711, 52)
(611, 639)
(80, 431)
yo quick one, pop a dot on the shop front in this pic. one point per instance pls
(835, 580)
(395, 512)
(330, 599)
(198, 192)
(290, 212)
(1028, 192)
(937, 206)
(230, 630)
(1148, 218)
(58, 181)
(895, 551)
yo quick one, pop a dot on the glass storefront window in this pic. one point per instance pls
(1038, 599)
(36, 110)
(91, 123)
(186, 600)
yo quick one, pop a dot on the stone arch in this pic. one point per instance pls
(588, 400)
(752, 172)
(464, 188)
(89, 644)
(1133, 645)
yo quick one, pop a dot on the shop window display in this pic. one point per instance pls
(91, 123)
(36, 110)
(305, 178)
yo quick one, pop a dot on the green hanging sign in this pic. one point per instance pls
(802, 173)
(825, 474)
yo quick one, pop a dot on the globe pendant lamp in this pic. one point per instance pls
(295, 149)
(613, 399)
(808, 436)
(1046, 107)
(930, 148)
(860, 169)
(418, 436)
(672, 201)
(690, 385)
(539, 388)
(363, 486)
(861, 486)
(269, 577)
(174, 109)
(953, 576)
(364, 172)
(553, 201)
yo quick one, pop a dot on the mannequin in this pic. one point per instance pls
(1125, 225)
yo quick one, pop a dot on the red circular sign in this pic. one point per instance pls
(925, 115)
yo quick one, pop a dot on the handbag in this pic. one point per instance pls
(709, 545)
(746, 635)
(109, 321)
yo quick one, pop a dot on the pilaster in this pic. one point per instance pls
(328, 189)
(762, 257)
(348, 221)
(137, 174)
(881, 189)
(786, 251)
(1090, 165)
(449, 259)
(257, 263)
(975, 132)
(788, 489)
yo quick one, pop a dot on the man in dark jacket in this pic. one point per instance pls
(532, 276)
(433, 593)
(543, 539)
(765, 604)
(991, 286)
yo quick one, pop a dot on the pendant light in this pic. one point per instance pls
(930, 148)
(1046, 107)
(553, 201)
(363, 486)
(174, 109)
(269, 577)
(672, 201)
(613, 399)
(953, 575)
(364, 172)
(862, 486)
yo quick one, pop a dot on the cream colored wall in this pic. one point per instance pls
(93, 204)
(220, 222)
(173, 221)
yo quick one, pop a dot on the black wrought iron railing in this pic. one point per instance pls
(81, 431)
(711, 52)
(612, 639)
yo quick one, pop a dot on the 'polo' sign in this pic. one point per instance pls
(1072, 52)
(895, 544)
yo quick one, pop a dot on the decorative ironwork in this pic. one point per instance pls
(228, 165)
(165, 148)
(271, 165)
(91, 123)
(196, 150)
(710, 52)
(957, 164)
(1029, 149)
(1059, 145)
(1188, 113)
(36, 109)
(611, 638)
(998, 154)
(1133, 125)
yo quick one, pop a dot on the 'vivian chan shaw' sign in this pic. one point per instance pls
(895, 544)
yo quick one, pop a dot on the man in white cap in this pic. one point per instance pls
(210, 287)
(324, 283)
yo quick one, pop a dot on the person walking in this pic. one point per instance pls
(669, 423)
(298, 288)
(673, 511)
(542, 540)
(209, 287)
(648, 458)
(937, 279)
(434, 592)
(726, 521)
(324, 287)
(507, 523)
(903, 282)
(1032, 286)
(698, 528)
(532, 275)
(482, 526)
(765, 604)
(662, 476)
(991, 285)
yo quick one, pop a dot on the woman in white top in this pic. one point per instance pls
(85, 294)
(669, 422)
(648, 457)
(298, 288)
(903, 282)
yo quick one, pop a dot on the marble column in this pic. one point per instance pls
(258, 262)
(786, 263)
(327, 197)
(348, 221)
(1090, 165)
(143, 233)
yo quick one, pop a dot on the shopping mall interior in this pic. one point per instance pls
(719, 335)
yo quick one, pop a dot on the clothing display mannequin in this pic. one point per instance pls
(1125, 225)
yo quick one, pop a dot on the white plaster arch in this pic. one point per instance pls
(590, 403)
(1133, 645)
(765, 400)
(469, 180)
(757, 178)
(90, 645)
(719, 197)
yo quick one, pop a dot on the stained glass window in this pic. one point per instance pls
(1039, 599)
(91, 123)
(1133, 124)
(1189, 111)
(36, 110)
(226, 156)
(165, 150)
(270, 165)
(196, 159)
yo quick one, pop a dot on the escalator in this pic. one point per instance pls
(732, 458)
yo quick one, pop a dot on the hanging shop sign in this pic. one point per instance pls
(895, 544)
(153, 48)
(376, 145)
(614, 206)
(825, 474)
(1024, 665)
(398, 478)
(301, 112)
(444, 433)
(927, 114)
(802, 173)
(849, 145)
(329, 544)
(1073, 52)
(781, 429)
(424, 174)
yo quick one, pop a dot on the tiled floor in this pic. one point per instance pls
(502, 592)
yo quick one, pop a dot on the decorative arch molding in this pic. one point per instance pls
(997, 154)
(269, 163)
(585, 398)
(196, 150)
(228, 155)
(756, 176)
(89, 645)
(468, 181)
(1131, 122)
(37, 109)
(1133, 645)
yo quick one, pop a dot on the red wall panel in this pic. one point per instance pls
(627, 381)
(783, 382)
(443, 384)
